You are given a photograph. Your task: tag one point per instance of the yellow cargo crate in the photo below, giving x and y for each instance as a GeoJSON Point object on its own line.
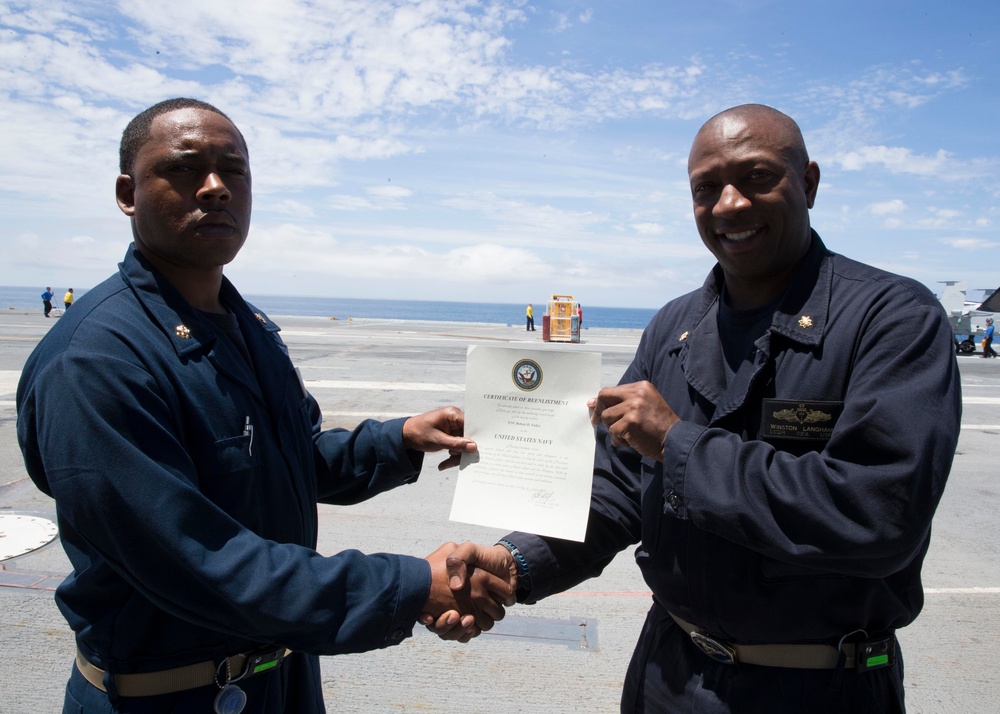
{"type": "Point", "coordinates": [562, 320]}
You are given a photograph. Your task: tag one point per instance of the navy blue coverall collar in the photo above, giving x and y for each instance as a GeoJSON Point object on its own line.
{"type": "Point", "coordinates": [801, 316]}
{"type": "Point", "coordinates": [171, 311]}
{"type": "Point", "coordinates": [192, 335]}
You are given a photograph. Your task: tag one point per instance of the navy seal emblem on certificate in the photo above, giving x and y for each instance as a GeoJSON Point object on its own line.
{"type": "Point", "coordinates": [527, 375]}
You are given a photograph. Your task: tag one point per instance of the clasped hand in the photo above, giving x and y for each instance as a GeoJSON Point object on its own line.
{"type": "Point", "coordinates": [470, 587]}
{"type": "Point", "coordinates": [472, 584]}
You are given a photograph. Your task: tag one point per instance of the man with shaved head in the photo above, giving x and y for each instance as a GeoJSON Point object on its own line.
{"type": "Point", "coordinates": [773, 451]}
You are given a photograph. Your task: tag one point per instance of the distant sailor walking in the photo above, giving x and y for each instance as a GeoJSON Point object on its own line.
{"type": "Point", "coordinates": [47, 301]}
{"type": "Point", "coordinates": [530, 313]}
{"type": "Point", "coordinates": [68, 298]}
{"type": "Point", "coordinates": [988, 350]}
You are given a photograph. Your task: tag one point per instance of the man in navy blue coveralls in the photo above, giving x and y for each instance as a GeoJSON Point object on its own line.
{"type": "Point", "coordinates": [777, 448]}
{"type": "Point", "coordinates": [186, 459]}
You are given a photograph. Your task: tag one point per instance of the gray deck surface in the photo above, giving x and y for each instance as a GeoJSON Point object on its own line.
{"type": "Point", "coordinates": [567, 654]}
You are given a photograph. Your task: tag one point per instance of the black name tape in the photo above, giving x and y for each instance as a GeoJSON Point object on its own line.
{"type": "Point", "coordinates": [795, 419]}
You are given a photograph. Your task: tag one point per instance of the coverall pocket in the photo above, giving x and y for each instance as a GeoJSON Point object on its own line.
{"type": "Point", "coordinates": [230, 483]}
{"type": "Point", "coordinates": [233, 455]}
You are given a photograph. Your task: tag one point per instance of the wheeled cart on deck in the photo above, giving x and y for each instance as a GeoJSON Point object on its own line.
{"type": "Point", "coordinates": [561, 323]}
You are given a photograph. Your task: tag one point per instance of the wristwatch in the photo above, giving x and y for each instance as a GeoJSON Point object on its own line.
{"type": "Point", "coordinates": [521, 564]}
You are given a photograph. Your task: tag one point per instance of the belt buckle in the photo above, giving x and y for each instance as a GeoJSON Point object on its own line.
{"type": "Point", "coordinates": [718, 651]}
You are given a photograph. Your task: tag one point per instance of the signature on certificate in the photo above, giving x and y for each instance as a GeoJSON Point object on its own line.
{"type": "Point", "coordinates": [541, 497]}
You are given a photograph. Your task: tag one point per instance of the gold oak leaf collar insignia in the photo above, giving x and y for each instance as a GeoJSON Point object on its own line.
{"type": "Point", "coordinates": [805, 322]}
{"type": "Point", "coordinates": [183, 332]}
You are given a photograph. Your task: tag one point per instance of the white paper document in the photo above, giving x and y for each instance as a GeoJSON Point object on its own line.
{"type": "Point", "coordinates": [526, 409]}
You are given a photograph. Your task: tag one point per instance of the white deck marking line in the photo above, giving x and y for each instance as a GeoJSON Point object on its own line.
{"type": "Point", "coordinates": [646, 593]}
{"type": "Point", "coordinates": [366, 415]}
{"type": "Point", "coordinates": [8, 380]}
{"type": "Point", "coordinates": [394, 386]}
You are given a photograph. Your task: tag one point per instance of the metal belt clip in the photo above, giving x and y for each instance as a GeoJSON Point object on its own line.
{"type": "Point", "coordinates": [260, 661]}
{"type": "Point", "coordinates": [875, 654]}
{"type": "Point", "coordinates": [719, 651]}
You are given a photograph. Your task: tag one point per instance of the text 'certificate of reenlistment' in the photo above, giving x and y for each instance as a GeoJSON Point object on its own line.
{"type": "Point", "coordinates": [526, 409]}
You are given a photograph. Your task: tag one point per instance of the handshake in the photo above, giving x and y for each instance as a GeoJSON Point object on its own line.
{"type": "Point", "coordinates": [470, 587]}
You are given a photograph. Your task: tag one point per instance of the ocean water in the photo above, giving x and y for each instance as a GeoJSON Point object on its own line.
{"type": "Point", "coordinates": [344, 308]}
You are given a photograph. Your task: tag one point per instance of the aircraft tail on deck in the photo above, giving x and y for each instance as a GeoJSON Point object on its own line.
{"type": "Point", "coordinates": [953, 297]}
{"type": "Point", "coordinates": [992, 303]}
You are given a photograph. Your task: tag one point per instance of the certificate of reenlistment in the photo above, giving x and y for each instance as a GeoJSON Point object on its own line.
{"type": "Point", "coordinates": [526, 409]}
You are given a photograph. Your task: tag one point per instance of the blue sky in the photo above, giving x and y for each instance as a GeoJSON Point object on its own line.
{"type": "Point", "coordinates": [503, 151]}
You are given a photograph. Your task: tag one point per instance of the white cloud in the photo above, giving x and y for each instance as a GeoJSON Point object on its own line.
{"type": "Point", "coordinates": [289, 207]}
{"type": "Point", "coordinates": [389, 192]}
{"type": "Point", "coordinates": [540, 224]}
{"type": "Point", "coordinates": [74, 259]}
{"type": "Point", "coordinates": [648, 229]}
{"type": "Point", "coordinates": [563, 22]}
{"type": "Point", "coordinates": [319, 252]}
{"type": "Point", "coordinates": [884, 88]}
{"type": "Point", "coordinates": [507, 156]}
{"type": "Point", "coordinates": [348, 58]}
{"type": "Point", "coordinates": [895, 159]}
{"type": "Point", "coordinates": [886, 207]}
{"type": "Point", "coordinates": [970, 243]}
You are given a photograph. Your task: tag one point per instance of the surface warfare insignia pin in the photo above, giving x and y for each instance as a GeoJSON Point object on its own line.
{"type": "Point", "coordinates": [787, 419]}
{"type": "Point", "coordinates": [183, 332]}
{"type": "Point", "coordinates": [802, 415]}
{"type": "Point", "coordinates": [684, 336]}
{"type": "Point", "coordinates": [260, 317]}
{"type": "Point", "coordinates": [527, 375]}
{"type": "Point", "coordinates": [805, 322]}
